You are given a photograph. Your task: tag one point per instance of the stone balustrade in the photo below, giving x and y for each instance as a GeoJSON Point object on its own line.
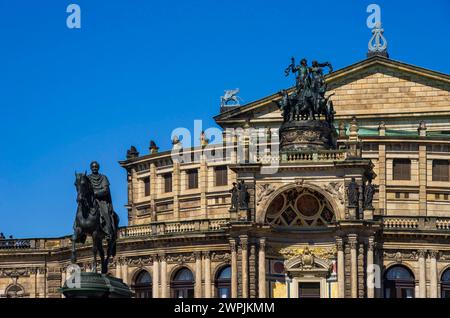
{"type": "Point", "coordinates": [188, 226]}
{"type": "Point", "coordinates": [400, 223]}
{"type": "Point", "coordinates": [303, 156]}
{"type": "Point", "coordinates": [135, 231]}
{"type": "Point", "coordinates": [443, 224]}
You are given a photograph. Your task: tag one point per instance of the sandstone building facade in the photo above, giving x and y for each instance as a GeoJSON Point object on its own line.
{"type": "Point", "coordinates": [299, 238]}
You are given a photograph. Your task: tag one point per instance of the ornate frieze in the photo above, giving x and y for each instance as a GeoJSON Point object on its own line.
{"type": "Point", "coordinates": [140, 261]}
{"type": "Point", "coordinates": [221, 257]}
{"type": "Point", "coordinates": [399, 256]}
{"type": "Point", "coordinates": [319, 252]}
{"type": "Point", "coordinates": [180, 259]}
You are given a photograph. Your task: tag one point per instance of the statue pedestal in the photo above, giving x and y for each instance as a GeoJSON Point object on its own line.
{"type": "Point", "coordinates": [368, 214]}
{"type": "Point", "coordinates": [94, 285]}
{"type": "Point", "coordinates": [244, 215]}
{"type": "Point", "coordinates": [352, 213]}
{"type": "Point", "coordinates": [307, 135]}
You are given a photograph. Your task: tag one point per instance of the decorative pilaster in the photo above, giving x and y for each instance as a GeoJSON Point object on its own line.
{"type": "Point", "coordinates": [155, 285]}
{"type": "Point", "coordinates": [262, 268]}
{"type": "Point", "coordinates": [125, 270]}
{"type": "Point", "coordinates": [244, 246]}
{"type": "Point", "coordinates": [118, 268]}
{"type": "Point", "coordinates": [422, 275]}
{"type": "Point", "coordinates": [370, 269]}
{"type": "Point", "coordinates": [353, 241]}
{"type": "Point", "coordinates": [207, 266]}
{"type": "Point", "coordinates": [340, 266]}
{"type": "Point", "coordinates": [234, 266]}
{"type": "Point", "coordinates": [433, 274]}
{"type": "Point", "coordinates": [198, 275]}
{"type": "Point", "coordinates": [163, 274]}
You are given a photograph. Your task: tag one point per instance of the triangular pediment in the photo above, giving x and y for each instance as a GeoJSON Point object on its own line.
{"type": "Point", "coordinates": [374, 88]}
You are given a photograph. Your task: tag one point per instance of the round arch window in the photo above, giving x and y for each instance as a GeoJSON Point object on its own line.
{"type": "Point", "coordinates": [399, 282]}
{"type": "Point", "coordinates": [143, 285]}
{"type": "Point", "coordinates": [182, 284]}
{"type": "Point", "coordinates": [445, 284]}
{"type": "Point", "coordinates": [300, 207]}
{"type": "Point", "coordinates": [14, 291]}
{"type": "Point", "coordinates": [223, 282]}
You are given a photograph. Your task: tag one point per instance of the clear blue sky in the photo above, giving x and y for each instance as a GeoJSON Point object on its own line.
{"type": "Point", "coordinates": [138, 69]}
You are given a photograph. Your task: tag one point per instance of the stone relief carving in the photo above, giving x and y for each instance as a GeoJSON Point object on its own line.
{"type": "Point", "coordinates": [319, 252]}
{"type": "Point", "coordinates": [400, 256]}
{"type": "Point", "coordinates": [181, 259]}
{"type": "Point", "coordinates": [263, 191]}
{"type": "Point", "coordinates": [221, 257]}
{"type": "Point", "coordinates": [140, 261]}
{"type": "Point", "coordinates": [336, 189]}
{"type": "Point", "coordinates": [16, 272]}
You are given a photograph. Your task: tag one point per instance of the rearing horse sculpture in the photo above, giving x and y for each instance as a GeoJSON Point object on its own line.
{"type": "Point", "coordinates": [88, 222]}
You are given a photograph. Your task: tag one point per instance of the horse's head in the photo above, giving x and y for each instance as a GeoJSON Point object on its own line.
{"type": "Point", "coordinates": [83, 186]}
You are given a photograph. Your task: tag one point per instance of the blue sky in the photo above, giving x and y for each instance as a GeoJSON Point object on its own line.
{"type": "Point", "coordinates": [138, 69]}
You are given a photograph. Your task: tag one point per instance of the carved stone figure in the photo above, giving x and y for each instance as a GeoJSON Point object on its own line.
{"type": "Point", "coordinates": [230, 96]}
{"type": "Point", "coordinates": [234, 197]}
{"type": "Point", "coordinates": [132, 153]}
{"type": "Point", "coordinates": [243, 195]}
{"type": "Point", "coordinates": [369, 191]}
{"type": "Point", "coordinates": [353, 194]}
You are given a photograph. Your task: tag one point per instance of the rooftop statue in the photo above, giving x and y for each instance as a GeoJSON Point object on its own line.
{"type": "Point", "coordinates": [230, 96]}
{"type": "Point", "coordinates": [308, 101]}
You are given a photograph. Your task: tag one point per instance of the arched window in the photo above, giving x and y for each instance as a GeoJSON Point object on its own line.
{"type": "Point", "coordinates": [300, 207]}
{"type": "Point", "coordinates": [143, 285]}
{"type": "Point", "coordinates": [223, 282]}
{"type": "Point", "coordinates": [399, 282]}
{"type": "Point", "coordinates": [445, 284]}
{"type": "Point", "coordinates": [182, 284]}
{"type": "Point", "coordinates": [14, 291]}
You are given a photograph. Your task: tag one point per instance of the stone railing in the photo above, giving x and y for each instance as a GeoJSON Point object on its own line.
{"type": "Point", "coordinates": [443, 224]}
{"type": "Point", "coordinates": [402, 223]}
{"type": "Point", "coordinates": [165, 228]}
{"type": "Point", "coordinates": [303, 156]}
{"type": "Point", "coordinates": [135, 231]}
{"type": "Point", "coordinates": [12, 244]}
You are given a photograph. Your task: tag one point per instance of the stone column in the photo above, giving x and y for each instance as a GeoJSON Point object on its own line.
{"type": "Point", "coordinates": [262, 268]}
{"type": "Point", "coordinates": [176, 190]}
{"type": "Point", "coordinates": [244, 245]}
{"type": "Point", "coordinates": [207, 265]}
{"type": "Point", "coordinates": [353, 241]}
{"type": "Point", "coordinates": [370, 269]}
{"type": "Point", "coordinates": [125, 270]}
{"type": "Point", "coordinates": [119, 268]}
{"type": "Point", "coordinates": [422, 275]}
{"type": "Point", "coordinates": [433, 275]}
{"type": "Point", "coordinates": [155, 285]}
{"type": "Point", "coordinates": [198, 275]}
{"type": "Point", "coordinates": [234, 266]}
{"type": "Point", "coordinates": [340, 266]}
{"type": "Point", "coordinates": [163, 274]}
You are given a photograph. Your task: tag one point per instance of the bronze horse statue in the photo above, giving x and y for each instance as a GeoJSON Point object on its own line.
{"type": "Point", "coordinates": [88, 222]}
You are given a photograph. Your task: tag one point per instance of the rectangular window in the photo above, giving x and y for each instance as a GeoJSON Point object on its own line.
{"type": "Point", "coordinates": [401, 169]}
{"type": "Point", "coordinates": [167, 182]}
{"type": "Point", "coordinates": [192, 178]}
{"type": "Point", "coordinates": [441, 170]}
{"type": "Point", "coordinates": [220, 176]}
{"type": "Point", "coordinates": [309, 290]}
{"type": "Point", "coordinates": [146, 186]}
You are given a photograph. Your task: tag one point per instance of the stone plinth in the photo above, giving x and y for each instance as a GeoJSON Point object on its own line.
{"type": "Point", "coordinates": [93, 285]}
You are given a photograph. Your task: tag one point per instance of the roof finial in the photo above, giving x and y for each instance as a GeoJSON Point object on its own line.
{"type": "Point", "coordinates": [377, 43]}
